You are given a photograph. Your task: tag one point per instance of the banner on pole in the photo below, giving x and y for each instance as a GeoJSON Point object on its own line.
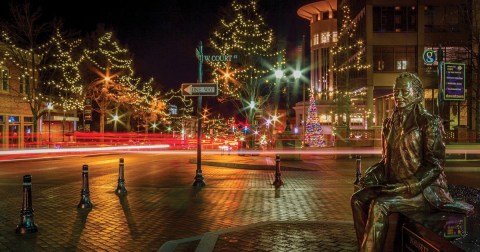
{"type": "Point", "coordinates": [454, 81]}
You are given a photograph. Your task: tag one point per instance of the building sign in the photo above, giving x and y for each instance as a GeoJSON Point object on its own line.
{"type": "Point", "coordinates": [454, 81]}
{"type": "Point", "coordinates": [87, 110]}
{"type": "Point", "coordinates": [429, 56]}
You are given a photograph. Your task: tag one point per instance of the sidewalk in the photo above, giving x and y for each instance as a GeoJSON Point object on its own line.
{"type": "Point", "coordinates": [327, 235]}
{"type": "Point", "coordinates": [238, 210]}
{"type": "Point", "coordinates": [317, 174]}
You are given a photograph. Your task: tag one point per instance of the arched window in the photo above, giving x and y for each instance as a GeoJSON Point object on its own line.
{"type": "Point", "coordinates": [25, 84]}
{"type": "Point", "coordinates": [4, 78]}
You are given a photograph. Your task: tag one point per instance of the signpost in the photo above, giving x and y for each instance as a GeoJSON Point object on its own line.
{"type": "Point", "coordinates": [198, 174]}
{"type": "Point", "coordinates": [199, 89]}
{"type": "Point", "coordinates": [454, 81]}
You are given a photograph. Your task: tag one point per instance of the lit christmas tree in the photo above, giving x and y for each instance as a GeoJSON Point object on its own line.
{"type": "Point", "coordinates": [244, 34]}
{"type": "Point", "coordinates": [313, 130]}
{"type": "Point", "coordinates": [112, 82]}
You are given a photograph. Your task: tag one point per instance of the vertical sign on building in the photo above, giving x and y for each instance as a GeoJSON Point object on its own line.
{"type": "Point", "coordinates": [454, 81]}
{"type": "Point", "coordinates": [87, 110]}
{"type": "Point", "coordinates": [87, 114]}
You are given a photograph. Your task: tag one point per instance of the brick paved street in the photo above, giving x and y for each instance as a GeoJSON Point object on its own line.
{"type": "Point", "coordinates": [310, 211]}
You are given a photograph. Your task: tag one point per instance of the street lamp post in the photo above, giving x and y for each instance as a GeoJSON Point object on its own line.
{"type": "Point", "coordinates": [296, 75]}
{"type": "Point", "coordinates": [303, 116]}
{"type": "Point", "coordinates": [49, 108]}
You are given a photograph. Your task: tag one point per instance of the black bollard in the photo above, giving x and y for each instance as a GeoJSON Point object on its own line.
{"type": "Point", "coordinates": [121, 190]}
{"type": "Point", "coordinates": [278, 175]}
{"type": "Point", "coordinates": [27, 225]}
{"type": "Point", "coordinates": [358, 174]}
{"type": "Point", "coordinates": [85, 193]}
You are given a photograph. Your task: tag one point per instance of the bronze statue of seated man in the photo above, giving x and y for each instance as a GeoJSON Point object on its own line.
{"type": "Point", "coordinates": [410, 176]}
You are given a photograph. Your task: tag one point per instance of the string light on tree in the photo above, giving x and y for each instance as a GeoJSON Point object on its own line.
{"type": "Point", "coordinates": [243, 32]}
{"type": "Point", "coordinates": [313, 130]}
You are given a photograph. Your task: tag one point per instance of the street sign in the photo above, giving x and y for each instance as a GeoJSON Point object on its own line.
{"type": "Point", "coordinates": [199, 89]}
{"type": "Point", "coordinates": [220, 57]}
{"type": "Point", "coordinates": [454, 81]}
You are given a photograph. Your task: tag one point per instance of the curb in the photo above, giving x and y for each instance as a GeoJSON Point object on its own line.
{"type": "Point", "coordinates": [249, 166]}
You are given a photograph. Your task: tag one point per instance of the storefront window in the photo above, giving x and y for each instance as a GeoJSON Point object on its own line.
{"type": "Point", "coordinates": [14, 119]}
{"type": "Point", "coordinates": [1, 133]}
{"type": "Point", "coordinates": [13, 135]}
{"type": "Point", "coordinates": [28, 134]}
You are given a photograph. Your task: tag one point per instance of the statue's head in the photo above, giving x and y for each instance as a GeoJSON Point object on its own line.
{"type": "Point", "coordinates": [407, 90]}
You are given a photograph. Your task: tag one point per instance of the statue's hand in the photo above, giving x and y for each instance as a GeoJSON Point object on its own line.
{"type": "Point", "coordinates": [397, 188]}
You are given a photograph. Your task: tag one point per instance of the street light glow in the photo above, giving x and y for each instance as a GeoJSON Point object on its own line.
{"type": "Point", "coordinates": [115, 117]}
{"type": "Point", "coordinates": [278, 73]}
{"type": "Point", "coordinates": [252, 105]}
{"type": "Point", "coordinates": [297, 74]}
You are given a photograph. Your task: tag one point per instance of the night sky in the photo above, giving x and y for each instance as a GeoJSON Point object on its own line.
{"type": "Point", "coordinates": [163, 34]}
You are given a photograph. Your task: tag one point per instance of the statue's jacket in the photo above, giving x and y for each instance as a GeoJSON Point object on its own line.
{"type": "Point", "coordinates": [414, 155]}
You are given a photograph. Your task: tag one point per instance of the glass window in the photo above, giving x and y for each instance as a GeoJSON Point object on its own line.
{"type": "Point", "coordinates": [401, 65]}
{"type": "Point", "coordinates": [13, 135]}
{"type": "Point", "coordinates": [1, 134]}
{"type": "Point", "coordinates": [27, 134]}
{"type": "Point", "coordinates": [334, 36]}
{"type": "Point", "coordinates": [394, 18]}
{"type": "Point", "coordinates": [4, 75]}
{"type": "Point", "coordinates": [315, 39]}
{"type": "Point", "coordinates": [25, 84]}
{"type": "Point", "coordinates": [395, 59]}
{"type": "Point", "coordinates": [325, 15]}
{"type": "Point", "coordinates": [1, 118]}
{"type": "Point", "coordinates": [325, 37]}
{"type": "Point", "coordinates": [28, 119]}
{"type": "Point", "coordinates": [14, 119]}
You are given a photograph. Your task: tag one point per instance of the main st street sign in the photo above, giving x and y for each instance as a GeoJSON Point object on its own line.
{"type": "Point", "coordinates": [199, 89]}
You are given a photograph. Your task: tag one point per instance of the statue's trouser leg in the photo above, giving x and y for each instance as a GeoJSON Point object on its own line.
{"type": "Point", "coordinates": [360, 203]}
{"type": "Point", "coordinates": [377, 223]}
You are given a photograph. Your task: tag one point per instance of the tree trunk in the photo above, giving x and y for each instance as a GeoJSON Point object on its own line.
{"type": "Point", "coordinates": [102, 121]}
{"type": "Point", "coordinates": [128, 125]}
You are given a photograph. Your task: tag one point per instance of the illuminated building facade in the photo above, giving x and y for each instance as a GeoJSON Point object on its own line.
{"type": "Point", "coordinates": [383, 39]}
{"type": "Point", "coordinates": [16, 119]}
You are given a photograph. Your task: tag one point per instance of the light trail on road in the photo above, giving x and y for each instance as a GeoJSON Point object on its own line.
{"type": "Point", "coordinates": [163, 149]}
